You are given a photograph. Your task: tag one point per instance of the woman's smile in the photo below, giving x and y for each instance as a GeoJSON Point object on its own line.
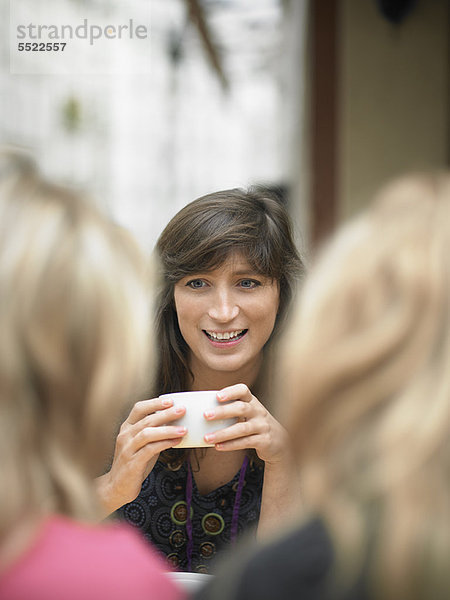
{"type": "Point", "coordinates": [225, 338]}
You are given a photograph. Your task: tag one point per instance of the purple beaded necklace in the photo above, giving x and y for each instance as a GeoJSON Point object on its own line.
{"type": "Point", "coordinates": [236, 508]}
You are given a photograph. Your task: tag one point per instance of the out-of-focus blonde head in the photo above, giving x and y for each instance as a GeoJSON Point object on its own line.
{"type": "Point", "coordinates": [366, 371]}
{"type": "Point", "coordinates": [74, 331]}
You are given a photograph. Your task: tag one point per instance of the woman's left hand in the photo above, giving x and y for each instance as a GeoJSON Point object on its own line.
{"type": "Point", "coordinates": [255, 428]}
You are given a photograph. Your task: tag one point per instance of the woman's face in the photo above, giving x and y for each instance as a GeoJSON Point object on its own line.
{"type": "Point", "coordinates": [226, 316]}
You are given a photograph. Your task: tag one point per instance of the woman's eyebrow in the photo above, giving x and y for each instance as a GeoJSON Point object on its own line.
{"type": "Point", "coordinates": [245, 272]}
{"type": "Point", "coordinates": [239, 271]}
{"type": "Point", "coordinates": [249, 272]}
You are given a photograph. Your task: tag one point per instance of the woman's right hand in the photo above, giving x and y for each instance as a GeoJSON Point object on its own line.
{"type": "Point", "coordinates": [147, 431]}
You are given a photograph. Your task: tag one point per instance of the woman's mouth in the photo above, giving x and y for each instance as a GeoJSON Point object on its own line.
{"type": "Point", "coordinates": [225, 337]}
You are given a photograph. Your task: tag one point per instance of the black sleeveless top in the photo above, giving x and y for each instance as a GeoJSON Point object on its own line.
{"type": "Point", "coordinates": [160, 512]}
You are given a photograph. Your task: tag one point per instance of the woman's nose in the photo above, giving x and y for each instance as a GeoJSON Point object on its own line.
{"type": "Point", "coordinates": [223, 307]}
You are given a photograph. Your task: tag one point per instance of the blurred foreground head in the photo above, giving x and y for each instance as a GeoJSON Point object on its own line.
{"type": "Point", "coordinates": [74, 317]}
{"type": "Point", "coordinates": [366, 368]}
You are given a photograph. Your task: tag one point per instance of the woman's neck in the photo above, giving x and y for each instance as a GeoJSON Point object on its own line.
{"type": "Point", "coordinates": [213, 469]}
{"type": "Point", "coordinates": [210, 379]}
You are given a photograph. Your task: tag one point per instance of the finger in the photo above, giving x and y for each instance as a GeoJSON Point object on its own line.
{"type": "Point", "coordinates": [155, 435]}
{"type": "Point", "coordinates": [130, 438]}
{"type": "Point", "coordinates": [235, 392]}
{"type": "Point", "coordinates": [144, 408]}
{"type": "Point", "coordinates": [146, 453]}
{"type": "Point", "coordinates": [161, 417]}
{"type": "Point", "coordinates": [236, 409]}
{"type": "Point", "coordinates": [238, 430]}
{"type": "Point", "coordinates": [243, 443]}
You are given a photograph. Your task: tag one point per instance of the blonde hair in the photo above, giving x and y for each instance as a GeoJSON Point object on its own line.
{"type": "Point", "coordinates": [74, 329]}
{"type": "Point", "coordinates": [366, 366]}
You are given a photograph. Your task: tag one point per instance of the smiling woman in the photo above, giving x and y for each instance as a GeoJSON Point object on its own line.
{"type": "Point", "coordinates": [229, 270]}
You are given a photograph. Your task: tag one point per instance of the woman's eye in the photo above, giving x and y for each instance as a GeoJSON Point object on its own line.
{"type": "Point", "coordinates": [249, 283]}
{"type": "Point", "coordinates": [196, 284]}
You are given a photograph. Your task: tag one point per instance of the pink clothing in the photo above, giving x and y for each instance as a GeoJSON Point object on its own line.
{"type": "Point", "coordinates": [73, 561]}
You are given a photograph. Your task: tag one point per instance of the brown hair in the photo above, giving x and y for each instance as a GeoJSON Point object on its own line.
{"type": "Point", "coordinates": [199, 238]}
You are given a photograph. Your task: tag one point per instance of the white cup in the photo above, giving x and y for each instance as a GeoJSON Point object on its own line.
{"type": "Point", "coordinates": [197, 426]}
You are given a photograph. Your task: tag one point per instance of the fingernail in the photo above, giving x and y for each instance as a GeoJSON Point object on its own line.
{"type": "Point", "coordinates": [209, 437]}
{"type": "Point", "coordinates": [220, 396]}
{"type": "Point", "coordinates": [209, 414]}
{"type": "Point", "coordinates": [181, 429]}
{"type": "Point", "coordinates": [167, 402]}
{"type": "Point", "coordinates": [179, 409]}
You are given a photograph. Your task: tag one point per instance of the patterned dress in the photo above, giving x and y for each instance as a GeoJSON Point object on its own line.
{"type": "Point", "coordinates": [160, 512]}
